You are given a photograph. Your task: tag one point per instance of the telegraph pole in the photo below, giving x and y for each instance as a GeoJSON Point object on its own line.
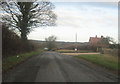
{"type": "Point", "coordinates": [76, 37]}
{"type": "Point", "coordinates": [76, 42]}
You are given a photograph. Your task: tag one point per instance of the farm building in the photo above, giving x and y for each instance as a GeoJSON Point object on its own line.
{"type": "Point", "coordinates": [97, 41]}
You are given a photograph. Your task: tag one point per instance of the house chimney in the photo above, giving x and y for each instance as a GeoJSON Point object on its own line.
{"type": "Point", "coordinates": [102, 36]}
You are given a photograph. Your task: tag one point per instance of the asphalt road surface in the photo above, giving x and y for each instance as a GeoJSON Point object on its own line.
{"type": "Point", "coordinates": [54, 67]}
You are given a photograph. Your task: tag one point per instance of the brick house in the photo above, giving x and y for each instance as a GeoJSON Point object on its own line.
{"type": "Point", "coordinates": [97, 42]}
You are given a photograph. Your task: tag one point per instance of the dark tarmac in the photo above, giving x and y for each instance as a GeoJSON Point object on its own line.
{"type": "Point", "coordinates": [54, 67]}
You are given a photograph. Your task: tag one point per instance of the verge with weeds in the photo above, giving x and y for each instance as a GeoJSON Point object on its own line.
{"type": "Point", "coordinates": [12, 61]}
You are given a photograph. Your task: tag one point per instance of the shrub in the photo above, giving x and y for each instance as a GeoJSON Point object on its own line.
{"type": "Point", "coordinates": [12, 44]}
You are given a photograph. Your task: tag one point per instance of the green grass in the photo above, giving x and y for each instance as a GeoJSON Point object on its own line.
{"type": "Point", "coordinates": [12, 61]}
{"type": "Point", "coordinates": [72, 51]}
{"type": "Point", "coordinates": [106, 61]}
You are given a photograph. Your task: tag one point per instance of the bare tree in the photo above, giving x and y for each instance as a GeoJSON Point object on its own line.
{"type": "Point", "coordinates": [51, 42]}
{"type": "Point", "coordinates": [110, 40]}
{"type": "Point", "coordinates": [24, 16]}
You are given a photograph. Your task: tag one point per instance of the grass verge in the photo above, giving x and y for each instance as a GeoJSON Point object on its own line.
{"type": "Point", "coordinates": [106, 61]}
{"type": "Point", "coordinates": [72, 51]}
{"type": "Point", "coordinates": [12, 61]}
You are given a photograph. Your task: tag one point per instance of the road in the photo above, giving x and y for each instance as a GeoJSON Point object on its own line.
{"type": "Point", "coordinates": [54, 67]}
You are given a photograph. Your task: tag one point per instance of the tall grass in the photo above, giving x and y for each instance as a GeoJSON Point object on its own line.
{"type": "Point", "coordinates": [12, 61]}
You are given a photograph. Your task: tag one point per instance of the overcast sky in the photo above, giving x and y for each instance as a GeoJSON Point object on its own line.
{"type": "Point", "coordinates": [85, 19]}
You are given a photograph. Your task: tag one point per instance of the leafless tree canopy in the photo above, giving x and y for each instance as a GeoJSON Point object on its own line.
{"type": "Point", "coordinates": [51, 42]}
{"type": "Point", "coordinates": [25, 16]}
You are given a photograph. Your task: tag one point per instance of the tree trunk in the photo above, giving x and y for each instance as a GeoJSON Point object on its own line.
{"type": "Point", "coordinates": [23, 36]}
{"type": "Point", "coordinates": [24, 40]}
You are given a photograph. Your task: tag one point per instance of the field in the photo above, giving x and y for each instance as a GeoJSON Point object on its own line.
{"type": "Point", "coordinates": [107, 61]}
{"type": "Point", "coordinates": [12, 61]}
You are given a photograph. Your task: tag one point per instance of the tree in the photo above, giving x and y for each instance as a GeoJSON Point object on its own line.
{"type": "Point", "coordinates": [109, 41]}
{"type": "Point", "coordinates": [51, 42]}
{"type": "Point", "coordinates": [24, 16]}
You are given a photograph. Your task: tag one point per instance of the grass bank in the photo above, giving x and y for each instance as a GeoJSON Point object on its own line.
{"type": "Point", "coordinates": [72, 51]}
{"type": "Point", "coordinates": [12, 61]}
{"type": "Point", "coordinates": [106, 61]}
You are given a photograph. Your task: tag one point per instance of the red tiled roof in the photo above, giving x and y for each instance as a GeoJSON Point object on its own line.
{"type": "Point", "coordinates": [94, 40]}
{"type": "Point", "coordinates": [97, 41]}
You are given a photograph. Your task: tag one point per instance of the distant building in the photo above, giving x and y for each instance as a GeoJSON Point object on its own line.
{"type": "Point", "coordinates": [97, 41]}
